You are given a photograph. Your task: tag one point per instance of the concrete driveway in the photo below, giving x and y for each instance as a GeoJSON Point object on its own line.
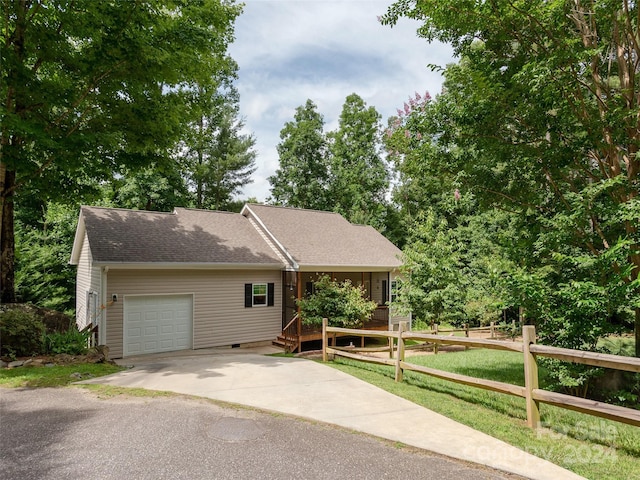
{"type": "Point", "coordinates": [318, 392]}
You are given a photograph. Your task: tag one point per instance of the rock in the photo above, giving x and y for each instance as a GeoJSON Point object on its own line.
{"type": "Point", "coordinates": [28, 362]}
{"type": "Point", "coordinates": [104, 350]}
{"type": "Point", "coordinates": [3, 364]}
{"type": "Point", "coordinates": [99, 354]}
{"type": "Point", "coordinates": [63, 359]}
{"type": "Point", "coordinates": [38, 362]}
{"type": "Point", "coordinates": [76, 375]}
{"type": "Point", "coordinates": [94, 357]}
{"type": "Point", "coordinates": [49, 364]}
{"type": "Point", "coordinates": [15, 363]}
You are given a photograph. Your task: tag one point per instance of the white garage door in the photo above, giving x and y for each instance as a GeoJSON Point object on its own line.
{"type": "Point", "coordinates": [157, 323]}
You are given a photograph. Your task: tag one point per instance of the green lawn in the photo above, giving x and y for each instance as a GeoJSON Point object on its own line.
{"type": "Point", "coordinates": [56, 376]}
{"type": "Point", "coordinates": [592, 447]}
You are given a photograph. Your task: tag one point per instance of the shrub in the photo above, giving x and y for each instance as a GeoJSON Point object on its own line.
{"type": "Point", "coordinates": [342, 303]}
{"type": "Point", "coordinates": [20, 333]}
{"type": "Point", "coordinates": [71, 342]}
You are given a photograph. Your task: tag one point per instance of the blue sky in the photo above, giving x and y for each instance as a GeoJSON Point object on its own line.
{"type": "Point", "coordinates": [289, 51]}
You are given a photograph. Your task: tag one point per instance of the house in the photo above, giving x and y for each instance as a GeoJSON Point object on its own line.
{"type": "Point", "coordinates": [155, 282]}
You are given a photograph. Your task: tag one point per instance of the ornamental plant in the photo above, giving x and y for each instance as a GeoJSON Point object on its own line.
{"type": "Point", "coordinates": [342, 303]}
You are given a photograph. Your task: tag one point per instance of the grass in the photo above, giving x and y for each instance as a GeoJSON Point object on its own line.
{"type": "Point", "coordinates": [57, 376]}
{"type": "Point", "coordinates": [589, 446]}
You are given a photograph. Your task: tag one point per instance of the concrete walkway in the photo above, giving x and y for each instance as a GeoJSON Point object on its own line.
{"type": "Point", "coordinates": [318, 392]}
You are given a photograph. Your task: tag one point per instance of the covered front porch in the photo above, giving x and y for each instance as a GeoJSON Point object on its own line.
{"type": "Point", "coordinates": [300, 284]}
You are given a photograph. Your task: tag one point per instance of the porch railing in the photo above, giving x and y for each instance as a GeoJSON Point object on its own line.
{"type": "Point", "coordinates": [291, 334]}
{"type": "Point", "coordinates": [293, 331]}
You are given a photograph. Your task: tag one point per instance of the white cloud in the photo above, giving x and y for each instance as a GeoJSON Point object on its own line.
{"type": "Point", "coordinates": [293, 50]}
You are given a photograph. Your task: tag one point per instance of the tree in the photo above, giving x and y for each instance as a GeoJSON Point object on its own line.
{"type": "Point", "coordinates": [359, 179]}
{"type": "Point", "coordinates": [219, 159]}
{"type": "Point", "coordinates": [540, 116]}
{"type": "Point", "coordinates": [90, 87]}
{"type": "Point", "coordinates": [153, 188]}
{"type": "Point", "coordinates": [432, 267]}
{"type": "Point", "coordinates": [43, 274]}
{"type": "Point", "coordinates": [301, 181]}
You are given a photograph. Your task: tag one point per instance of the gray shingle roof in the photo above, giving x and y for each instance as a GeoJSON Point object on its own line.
{"type": "Point", "coordinates": [315, 238]}
{"type": "Point", "coordinates": [185, 236]}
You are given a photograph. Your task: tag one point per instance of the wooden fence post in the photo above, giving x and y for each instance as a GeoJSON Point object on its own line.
{"type": "Point", "coordinates": [435, 332]}
{"type": "Point", "coordinates": [466, 333]}
{"type": "Point", "coordinates": [493, 329]}
{"type": "Point", "coordinates": [400, 356]}
{"type": "Point", "coordinates": [530, 376]}
{"type": "Point", "coordinates": [325, 323]}
{"type": "Point", "coordinates": [391, 346]}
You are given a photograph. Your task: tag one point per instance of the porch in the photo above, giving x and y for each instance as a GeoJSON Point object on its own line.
{"type": "Point", "coordinates": [295, 333]}
{"type": "Point", "coordinates": [297, 285]}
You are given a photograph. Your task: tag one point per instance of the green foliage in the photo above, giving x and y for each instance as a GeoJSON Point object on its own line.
{"type": "Point", "coordinates": [342, 171]}
{"type": "Point", "coordinates": [71, 342]}
{"type": "Point", "coordinates": [343, 304]}
{"type": "Point", "coordinates": [216, 158]}
{"type": "Point", "coordinates": [432, 269]}
{"type": "Point", "coordinates": [20, 333]}
{"type": "Point", "coordinates": [303, 175]}
{"type": "Point", "coordinates": [95, 90]}
{"type": "Point", "coordinates": [358, 180]}
{"type": "Point", "coordinates": [154, 188]}
{"type": "Point", "coordinates": [43, 274]}
{"type": "Point", "coordinates": [538, 119]}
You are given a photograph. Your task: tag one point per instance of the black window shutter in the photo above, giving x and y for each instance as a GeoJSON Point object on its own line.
{"type": "Point", "coordinates": [270, 294]}
{"type": "Point", "coordinates": [248, 295]}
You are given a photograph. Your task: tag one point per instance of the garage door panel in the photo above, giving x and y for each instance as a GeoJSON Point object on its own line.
{"type": "Point", "coordinates": [161, 323]}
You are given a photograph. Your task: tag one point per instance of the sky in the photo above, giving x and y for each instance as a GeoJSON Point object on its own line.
{"type": "Point", "coordinates": [289, 51]}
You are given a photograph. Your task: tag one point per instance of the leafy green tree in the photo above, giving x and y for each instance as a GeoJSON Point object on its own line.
{"type": "Point", "coordinates": [43, 274]}
{"type": "Point", "coordinates": [431, 205]}
{"type": "Point", "coordinates": [152, 188]}
{"type": "Point", "coordinates": [342, 303]}
{"type": "Point", "coordinates": [89, 87]}
{"type": "Point", "coordinates": [434, 289]}
{"type": "Point", "coordinates": [302, 179]}
{"type": "Point", "coordinates": [217, 158]}
{"type": "Point", "coordinates": [540, 118]}
{"type": "Point", "coordinates": [359, 178]}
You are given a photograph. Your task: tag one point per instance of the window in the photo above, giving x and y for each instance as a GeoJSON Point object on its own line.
{"type": "Point", "coordinates": [259, 294]}
{"type": "Point", "coordinates": [394, 291]}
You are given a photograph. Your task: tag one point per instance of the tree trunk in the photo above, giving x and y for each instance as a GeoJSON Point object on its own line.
{"type": "Point", "coordinates": [7, 240]}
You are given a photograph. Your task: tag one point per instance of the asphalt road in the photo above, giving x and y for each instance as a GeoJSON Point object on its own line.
{"type": "Point", "coordinates": [70, 433]}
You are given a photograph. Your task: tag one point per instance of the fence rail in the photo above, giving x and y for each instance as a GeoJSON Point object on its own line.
{"type": "Point", "coordinates": [531, 392]}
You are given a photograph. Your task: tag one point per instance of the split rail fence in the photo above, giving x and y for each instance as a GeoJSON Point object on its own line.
{"type": "Point", "coordinates": [531, 392]}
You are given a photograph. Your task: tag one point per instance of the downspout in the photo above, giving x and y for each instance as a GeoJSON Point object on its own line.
{"type": "Point", "coordinates": [102, 326]}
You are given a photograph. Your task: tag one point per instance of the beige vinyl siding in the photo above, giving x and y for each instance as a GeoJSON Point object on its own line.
{"type": "Point", "coordinates": [87, 280]}
{"type": "Point", "coordinates": [219, 315]}
{"type": "Point", "coordinates": [376, 291]}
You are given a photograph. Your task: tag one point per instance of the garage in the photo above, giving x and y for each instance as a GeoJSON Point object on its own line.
{"type": "Point", "coordinates": [157, 323]}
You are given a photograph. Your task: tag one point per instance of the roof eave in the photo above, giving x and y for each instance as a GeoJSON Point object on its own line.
{"type": "Point", "coordinates": [188, 266]}
{"type": "Point", "coordinates": [348, 268]}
